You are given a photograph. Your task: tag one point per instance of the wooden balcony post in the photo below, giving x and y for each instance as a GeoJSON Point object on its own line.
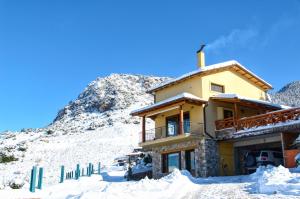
{"type": "Point", "coordinates": [181, 129]}
{"type": "Point", "coordinates": [236, 115]}
{"type": "Point", "coordinates": [144, 129]}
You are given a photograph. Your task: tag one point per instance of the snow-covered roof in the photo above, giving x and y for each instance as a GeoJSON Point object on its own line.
{"type": "Point", "coordinates": [179, 97]}
{"type": "Point", "coordinates": [261, 130]}
{"type": "Point", "coordinates": [235, 96]}
{"type": "Point", "coordinates": [206, 69]}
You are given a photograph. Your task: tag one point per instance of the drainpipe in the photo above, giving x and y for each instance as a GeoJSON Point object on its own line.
{"type": "Point", "coordinates": [204, 118]}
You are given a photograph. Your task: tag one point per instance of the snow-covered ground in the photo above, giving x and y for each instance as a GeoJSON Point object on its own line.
{"type": "Point", "coordinates": [50, 152]}
{"type": "Point", "coordinates": [265, 183]}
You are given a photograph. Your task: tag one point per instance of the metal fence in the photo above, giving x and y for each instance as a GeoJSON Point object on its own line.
{"type": "Point", "coordinates": [193, 128]}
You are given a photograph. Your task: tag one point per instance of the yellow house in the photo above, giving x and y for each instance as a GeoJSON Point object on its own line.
{"type": "Point", "coordinates": [188, 112]}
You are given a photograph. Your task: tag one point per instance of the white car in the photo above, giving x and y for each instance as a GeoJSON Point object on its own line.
{"type": "Point", "coordinates": [269, 157]}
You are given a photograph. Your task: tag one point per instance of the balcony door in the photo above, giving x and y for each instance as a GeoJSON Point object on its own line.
{"type": "Point", "coordinates": [172, 125]}
{"type": "Point", "coordinates": [186, 122]}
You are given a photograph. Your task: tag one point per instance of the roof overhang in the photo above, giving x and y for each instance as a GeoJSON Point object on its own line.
{"type": "Point", "coordinates": [229, 65]}
{"type": "Point", "coordinates": [169, 104]}
{"type": "Point", "coordinates": [233, 98]}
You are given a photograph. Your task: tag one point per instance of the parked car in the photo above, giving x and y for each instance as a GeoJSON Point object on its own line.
{"type": "Point", "coordinates": [269, 157]}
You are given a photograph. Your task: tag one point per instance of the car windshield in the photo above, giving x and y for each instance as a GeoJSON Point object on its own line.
{"type": "Point", "coordinates": [264, 154]}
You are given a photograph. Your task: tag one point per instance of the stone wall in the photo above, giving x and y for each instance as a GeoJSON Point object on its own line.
{"type": "Point", "coordinates": [212, 157]}
{"type": "Point", "coordinates": [206, 156]}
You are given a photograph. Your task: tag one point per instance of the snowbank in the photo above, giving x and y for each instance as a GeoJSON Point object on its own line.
{"type": "Point", "coordinates": [111, 185]}
{"type": "Point", "coordinates": [177, 185]}
{"type": "Point", "coordinates": [166, 187]}
{"type": "Point", "coordinates": [272, 180]}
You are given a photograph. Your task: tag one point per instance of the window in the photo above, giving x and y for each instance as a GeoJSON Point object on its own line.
{"type": "Point", "coordinates": [190, 161]}
{"type": "Point", "coordinates": [217, 88]}
{"type": "Point", "coordinates": [170, 162]}
{"type": "Point", "coordinates": [227, 113]}
{"type": "Point", "coordinates": [172, 125]}
{"type": "Point", "coordinates": [264, 154]}
{"type": "Point", "coordinates": [186, 122]}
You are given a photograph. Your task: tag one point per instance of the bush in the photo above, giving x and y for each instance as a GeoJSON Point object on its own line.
{"type": "Point", "coordinates": [7, 158]}
{"type": "Point", "coordinates": [21, 148]}
{"type": "Point", "coordinates": [49, 132]}
{"type": "Point", "coordinates": [16, 183]}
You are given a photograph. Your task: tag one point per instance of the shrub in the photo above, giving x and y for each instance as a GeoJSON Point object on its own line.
{"type": "Point", "coordinates": [49, 132]}
{"type": "Point", "coordinates": [7, 158]}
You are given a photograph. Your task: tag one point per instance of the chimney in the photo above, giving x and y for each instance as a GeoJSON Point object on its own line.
{"type": "Point", "coordinates": [201, 57]}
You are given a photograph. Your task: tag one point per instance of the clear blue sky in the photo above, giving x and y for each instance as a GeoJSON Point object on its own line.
{"type": "Point", "coordinates": [50, 50]}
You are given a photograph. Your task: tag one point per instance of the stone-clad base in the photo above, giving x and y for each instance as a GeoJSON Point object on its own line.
{"type": "Point", "coordinates": [206, 156]}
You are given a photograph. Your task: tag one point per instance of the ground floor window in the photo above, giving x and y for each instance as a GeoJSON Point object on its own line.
{"type": "Point", "coordinates": [190, 161]}
{"type": "Point", "coordinates": [170, 161]}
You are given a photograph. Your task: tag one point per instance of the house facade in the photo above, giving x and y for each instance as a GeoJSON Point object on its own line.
{"type": "Point", "coordinates": [189, 111]}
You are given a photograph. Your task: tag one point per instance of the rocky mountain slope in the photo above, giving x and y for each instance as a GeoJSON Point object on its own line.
{"type": "Point", "coordinates": [288, 95]}
{"type": "Point", "coordinates": [94, 127]}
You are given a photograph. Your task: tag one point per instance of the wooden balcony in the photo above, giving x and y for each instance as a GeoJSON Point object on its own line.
{"type": "Point", "coordinates": [259, 120]}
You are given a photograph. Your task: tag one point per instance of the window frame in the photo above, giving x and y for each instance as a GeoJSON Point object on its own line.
{"type": "Point", "coordinates": [177, 118]}
{"type": "Point", "coordinates": [190, 151]}
{"type": "Point", "coordinates": [165, 161]}
{"type": "Point", "coordinates": [217, 85]}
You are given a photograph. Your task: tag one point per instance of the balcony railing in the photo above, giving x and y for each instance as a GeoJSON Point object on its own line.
{"type": "Point", "coordinates": [224, 124]}
{"type": "Point", "coordinates": [259, 120]}
{"type": "Point", "coordinates": [190, 128]}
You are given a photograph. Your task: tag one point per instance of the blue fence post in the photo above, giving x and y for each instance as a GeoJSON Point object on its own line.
{"type": "Point", "coordinates": [99, 166]}
{"type": "Point", "coordinates": [72, 174]}
{"type": "Point", "coordinates": [82, 172]}
{"type": "Point", "coordinates": [90, 169]}
{"type": "Point", "coordinates": [77, 172]}
{"type": "Point", "coordinates": [87, 171]}
{"type": "Point", "coordinates": [32, 179]}
{"type": "Point", "coordinates": [62, 174]}
{"type": "Point", "coordinates": [40, 178]}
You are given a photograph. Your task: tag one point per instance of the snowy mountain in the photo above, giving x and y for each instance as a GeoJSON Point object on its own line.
{"type": "Point", "coordinates": [288, 95]}
{"type": "Point", "coordinates": [94, 127]}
